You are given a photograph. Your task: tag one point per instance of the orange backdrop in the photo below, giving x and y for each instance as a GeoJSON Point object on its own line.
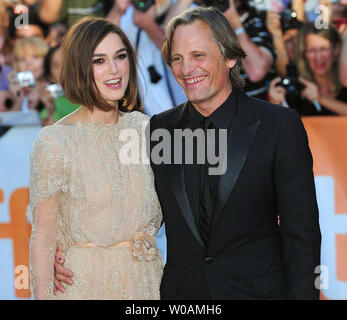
{"type": "Point", "coordinates": [328, 143]}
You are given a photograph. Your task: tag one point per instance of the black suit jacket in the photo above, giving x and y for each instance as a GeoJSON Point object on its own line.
{"type": "Point", "coordinates": [249, 255]}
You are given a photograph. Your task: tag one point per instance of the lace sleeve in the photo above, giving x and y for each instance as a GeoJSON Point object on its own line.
{"type": "Point", "coordinates": [157, 220]}
{"type": "Point", "coordinates": [46, 177]}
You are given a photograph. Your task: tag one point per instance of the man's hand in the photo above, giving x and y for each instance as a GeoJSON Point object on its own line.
{"type": "Point", "coordinates": [117, 11]}
{"type": "Point", "coordinates": [277, 94]}
{"type": "Point", "coordinates": [61, 274]}
{"type": "Point", "coordinates": [273, 23]}
{"type": "Point", "coordinates": [259, 59]}
{"type": "Point", "coordinates": [233, 16]}
{"type": "Point", "coordinates": [145, 20]}
{"type": "Point", "coordinates": [121, 6]}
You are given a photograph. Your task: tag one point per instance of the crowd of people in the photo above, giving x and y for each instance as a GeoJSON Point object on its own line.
{"type": "Point", "coordinates": [293, 58]}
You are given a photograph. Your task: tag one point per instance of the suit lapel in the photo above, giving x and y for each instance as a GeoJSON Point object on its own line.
{"type": "Point", "coordinates": [239, 144]}
{"type": "Point", "coordinates": [179, 188]}
{"type": "Point", "coordinates": [178, 183]}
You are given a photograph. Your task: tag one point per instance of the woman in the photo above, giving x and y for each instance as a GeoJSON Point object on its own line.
{"type": "Point", "coordinates": [102, 212]}
{"type": "Point", "coordinates": [318, 57]}
{"type": "Point", "coordinates": [28, 55]}
{"type": "Point", "coordinates": [317, 61]}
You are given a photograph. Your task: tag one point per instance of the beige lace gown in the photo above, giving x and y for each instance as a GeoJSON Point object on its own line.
{"type": "Point", "coordinates": [101, 211]}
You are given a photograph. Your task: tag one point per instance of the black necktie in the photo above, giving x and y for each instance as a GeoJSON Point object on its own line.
{"type": "Point", "coordinates": [206, 191]}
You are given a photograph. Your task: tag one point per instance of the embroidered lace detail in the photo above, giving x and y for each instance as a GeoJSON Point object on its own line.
{"type": "Point", "coordinates": [145, 244]}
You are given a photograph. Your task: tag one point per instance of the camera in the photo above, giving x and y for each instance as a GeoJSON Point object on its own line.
{"type": "Point", "coordinates": [161, 8]}
{"type": "Point", "coordinates": [26, 79]}
{"type": "Point", "coordinates": [288, 17]}
{"type": "Point", "coordinates": [142, 5]}
{"type": "Point", "coordinates": [292, 85]}
{"type": "Point", "coordinates": [222, 5]}
{"type": "Point", "coordinates": [288, 20]}
{"type": "Point", "coordinates": [55, 89]}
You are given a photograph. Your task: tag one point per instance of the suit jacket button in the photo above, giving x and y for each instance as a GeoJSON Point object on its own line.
{"type": "Point", "coordinates": [208, 260]}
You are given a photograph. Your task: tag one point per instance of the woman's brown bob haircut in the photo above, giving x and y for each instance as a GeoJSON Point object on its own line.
{"type": "Point", "coordinates": [76, 74]}
{"type": "Point", "coordinates": [222, 32]}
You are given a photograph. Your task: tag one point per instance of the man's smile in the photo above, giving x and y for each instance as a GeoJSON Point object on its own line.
{"type": "Point", "coordinates": [195, 80]}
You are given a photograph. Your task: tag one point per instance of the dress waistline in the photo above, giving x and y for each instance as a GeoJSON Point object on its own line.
{"type": "Point", "coordinates": [143, 244]}
{"type": "Point", "coordinates": [93, 245]}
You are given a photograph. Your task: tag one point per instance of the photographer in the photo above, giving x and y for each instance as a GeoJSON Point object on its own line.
{"type": "Point", "coordinates": [284, 28]}
{"type": "Point", "coordinates": [57, 106]}
{"type": "Point", "coordinates": [27, 83]}
{"type": "Point", "coordinates": [317, 60]}
{"type": "Point", "coordinates": [253, 37]}
{"type": "Point", "coordinates": [145, 29]}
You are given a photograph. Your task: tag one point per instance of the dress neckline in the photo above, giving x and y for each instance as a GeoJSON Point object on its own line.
{"type": "Point", "coordinates": [94, 124]}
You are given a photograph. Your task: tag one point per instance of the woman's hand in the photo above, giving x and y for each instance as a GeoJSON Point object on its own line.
{"type": "Point", "coordinates": [16, 90]}
{"type": "Point", "coordinates": [311, 91]}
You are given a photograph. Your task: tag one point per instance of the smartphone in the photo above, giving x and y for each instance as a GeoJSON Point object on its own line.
{"type": "Point", "coordinates": [26, 79]}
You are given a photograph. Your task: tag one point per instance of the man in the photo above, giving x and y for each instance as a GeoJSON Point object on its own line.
{"type": "Point", "coordinates": [247, 254]}
{"type": "Point", "coordinates": [224, 240]}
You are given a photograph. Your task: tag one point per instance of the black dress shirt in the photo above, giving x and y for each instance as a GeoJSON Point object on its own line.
{"type": "Point", "coordinates": [221, 118]}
